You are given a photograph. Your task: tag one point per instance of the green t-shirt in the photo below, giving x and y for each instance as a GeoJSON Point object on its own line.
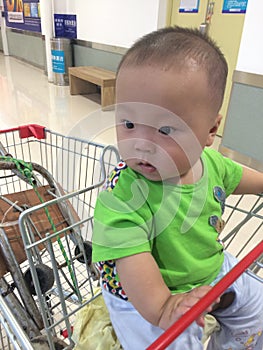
{"type": "Point", "coordinates": [177, 224]}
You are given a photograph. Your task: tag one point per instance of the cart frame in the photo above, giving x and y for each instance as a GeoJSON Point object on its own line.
{"type": "Point", "coordinates": [76, 169]}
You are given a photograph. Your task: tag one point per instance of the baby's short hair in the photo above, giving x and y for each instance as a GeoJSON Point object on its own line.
{"type": "Point", "coordinates": [173, 47]}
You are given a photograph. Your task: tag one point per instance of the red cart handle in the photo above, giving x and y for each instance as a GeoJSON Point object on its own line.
{"type": "Point", "coordinates": [30, 130]}
{"type": "Point", "coordinates": [191, 315]}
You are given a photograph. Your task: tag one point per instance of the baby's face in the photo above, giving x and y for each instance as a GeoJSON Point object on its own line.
{"type": "Point", "coordinates": [163, 120]}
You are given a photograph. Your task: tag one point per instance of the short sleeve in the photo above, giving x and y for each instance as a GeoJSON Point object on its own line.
{"type": "Point", "coordinates": [233, 175]}
{"type": "Point", "coordinates": [228, 171]}
{"type": "Point", "coordinates": [121, 226]}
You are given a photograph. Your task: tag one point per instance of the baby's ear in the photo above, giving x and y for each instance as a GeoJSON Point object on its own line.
{"type": "Point", "coordinates": [213, 131]}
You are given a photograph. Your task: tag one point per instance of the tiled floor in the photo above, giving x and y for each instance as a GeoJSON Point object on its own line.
{"type": "Point", "coordinates": [27, 97]}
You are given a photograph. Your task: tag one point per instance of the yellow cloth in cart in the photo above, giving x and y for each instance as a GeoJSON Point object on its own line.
{"type": "Point", "coordinates": [93, 329]}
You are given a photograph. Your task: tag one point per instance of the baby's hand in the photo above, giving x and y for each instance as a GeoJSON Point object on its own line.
{"type": "Point", "coordinates": [191, 298]}
{"type": "Point", "coordinates": [179, 304]}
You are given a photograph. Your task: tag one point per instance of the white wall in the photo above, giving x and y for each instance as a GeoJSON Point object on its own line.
{"type": "Point", "coordinates": [65, 6]}
{"type": "Point", "coordinates": [250, 57]}
{"type": "Point", "coordinates": [114, 22]}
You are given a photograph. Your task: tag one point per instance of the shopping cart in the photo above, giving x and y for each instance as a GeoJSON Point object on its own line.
{"type": "Point", "coordinates": [48, 187]}
{"type": "Point", "coordinates": [242, 237]}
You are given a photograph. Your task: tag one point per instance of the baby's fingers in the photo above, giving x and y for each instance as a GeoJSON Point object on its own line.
{"type": "Point", "coordinates": [201, 321]}
{"type": "Point", "coordinates": [200, 293]}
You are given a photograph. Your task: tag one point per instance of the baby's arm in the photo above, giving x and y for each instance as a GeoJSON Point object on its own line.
{"type": "Point", "coordinates": [145, 288]}
{"type": "Point", "coordinates": [251, 182]}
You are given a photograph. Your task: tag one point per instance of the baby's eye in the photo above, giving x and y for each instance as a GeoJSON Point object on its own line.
{"type": "Point", "coordinates": [128, 124]}
{"type": "Point", "coordinates": [166, 130]}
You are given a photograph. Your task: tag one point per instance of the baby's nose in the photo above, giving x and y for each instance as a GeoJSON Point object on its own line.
{"type": "Point", "coordinates": [144, 145]}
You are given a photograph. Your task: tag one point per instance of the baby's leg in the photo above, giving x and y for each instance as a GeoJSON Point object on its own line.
{"type": "Point", "coordinates": [242, 322]}
{"type": "Point", "coordinates": [135, 333]}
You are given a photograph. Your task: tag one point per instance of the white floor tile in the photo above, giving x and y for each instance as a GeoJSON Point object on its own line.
{"type": "Point", "coordinates": [27, 97]}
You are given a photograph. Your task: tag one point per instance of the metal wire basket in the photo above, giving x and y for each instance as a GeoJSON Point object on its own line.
{"type": "Point", "coordinates": [46, 207]}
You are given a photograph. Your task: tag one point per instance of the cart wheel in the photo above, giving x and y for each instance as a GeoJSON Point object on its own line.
{"type": "Point", "coordinates": [41, 343]}
{"type": "Point", "coordinates": [87, 249]}
{"type": "Point", "coordinates": [45, 277]}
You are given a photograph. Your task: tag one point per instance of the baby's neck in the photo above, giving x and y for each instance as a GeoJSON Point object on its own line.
{"type": "Point", "coordinates": [194, 174]}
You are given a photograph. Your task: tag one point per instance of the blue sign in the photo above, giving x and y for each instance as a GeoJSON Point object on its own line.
{"type": "Point", "coordinates": [65, 26]}
{"type": "Point", "coordinates": [189, 6]}
{"type": "Point", "coordinates": [234, 6]}
{"type": "Point", "coordinates": [58, 61]}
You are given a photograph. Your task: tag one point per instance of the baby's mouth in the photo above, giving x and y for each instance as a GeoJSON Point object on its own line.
{"type": "Point", "coordinates": [146, 167]}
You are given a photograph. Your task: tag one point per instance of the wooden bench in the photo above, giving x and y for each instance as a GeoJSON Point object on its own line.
{"type": "Point", "coordinates": [85, 79]}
